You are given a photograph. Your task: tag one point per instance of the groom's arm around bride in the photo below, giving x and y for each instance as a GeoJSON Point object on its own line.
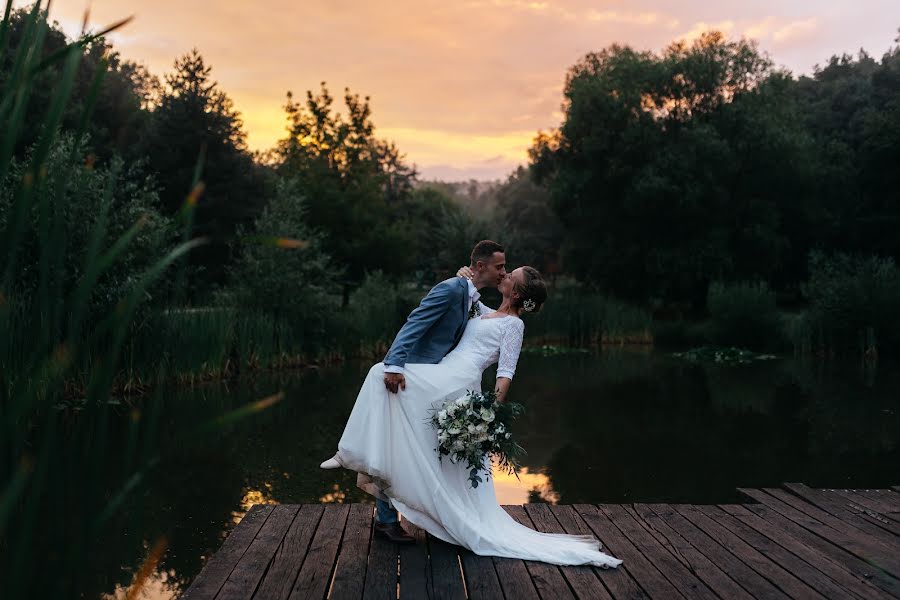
{"type": "Point", "coordinates": [435, 326]}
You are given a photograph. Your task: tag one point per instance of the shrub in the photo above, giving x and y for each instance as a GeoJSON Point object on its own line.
{"type": "Point", "coordinates": [743, 314]}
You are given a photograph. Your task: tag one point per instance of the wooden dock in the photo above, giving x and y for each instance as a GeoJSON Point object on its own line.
{"type": "Point", "coordinates": [794, 542]}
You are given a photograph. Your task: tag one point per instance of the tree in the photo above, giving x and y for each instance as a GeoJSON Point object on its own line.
{"type": "Point", "coordinates": [284, 272]}
{"type": "Point", "coordinates": [194, 119]}
{"type": "Point", "coordinates": [356, 185]}
{"type": "Point", "coordinates": [671, 171]}
{"type": "Point", "coordinates": [531, 231]}
{"type": "Point", "coordinates": [852, 109]}
{"type": "Point", "coordinates": [118, 119]}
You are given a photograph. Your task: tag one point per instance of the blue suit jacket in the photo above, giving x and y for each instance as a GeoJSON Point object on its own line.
{"type": "Point", "coordinates": [434, 327]}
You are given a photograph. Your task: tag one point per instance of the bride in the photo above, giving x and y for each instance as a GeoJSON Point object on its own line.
{"type": "Point", "coordinates": [390, 442]}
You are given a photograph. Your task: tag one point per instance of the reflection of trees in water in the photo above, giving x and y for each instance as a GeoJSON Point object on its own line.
{"type": "Point", "coordinates": [640, 428]}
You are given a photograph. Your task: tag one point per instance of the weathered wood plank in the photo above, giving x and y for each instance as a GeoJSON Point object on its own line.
{"type": "Point", "coordinates": [548, 579]}
{"type": "Point", "coordinates": [824, 525]}
{"type": "Point", "coordinates": [415, 568]}
{"type": "Point", "coordinates": [686, 582]}
{"type": "Point", "coordinates": [480, 575]}
{"type": "Point", "coordinates": [289, 557]}
{"type": "Point", "coordinates": [889, 498]}
{"type": "Point", "coordinates": [381, 574]}
{"type": "Point", "coordinates": [878, 528]}
{"type": "Point", "coordinates": [825, 539]}
{"type": "Point", "coordinates": [247, 574]}
{"type": "Point", "coordinates": [827, 558]}
{"type": "Point", "coordinates": [581, 579]}
{"type": "Point", "coordinates": [220, 565]}
{"type": "Point", "coordinates": [870, 501]}
{"type": "Point", "coordinates": [619, 581]}
{"type": "Point", "coordinates": [750, 580]}
{"type": "Point", "coordinates": [708, 572]}
{"type": "Point", "coordinates": [642, 570]}
{"type": "Point", "coordinates": [350, 571]}
{"type": "Point", "coordinates": [750, 556]}
{"type": "Point", "coordinates": [868, 547]}
{"type": "Point", "coordinates": [446, 578]}
{"type": "Point", "coordinates": [793, 564]}
{"type": "Point", "coordinates": [872, 509]}
{"type": "Point", "coordinates": [315, 574]}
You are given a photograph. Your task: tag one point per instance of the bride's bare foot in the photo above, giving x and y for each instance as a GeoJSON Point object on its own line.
{"type": "Point", "coordinates": [331, 463]}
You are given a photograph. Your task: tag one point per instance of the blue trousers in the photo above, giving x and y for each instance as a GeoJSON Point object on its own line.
{"type": "Point", "coordinates": [384, 512]}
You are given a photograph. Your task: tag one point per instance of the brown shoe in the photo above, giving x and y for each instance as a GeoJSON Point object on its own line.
{"type": "Point", "coordinates": [394, 532]}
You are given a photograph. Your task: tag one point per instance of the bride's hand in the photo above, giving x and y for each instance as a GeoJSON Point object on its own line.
{"type": "Point", "coordinates": [465, 272]}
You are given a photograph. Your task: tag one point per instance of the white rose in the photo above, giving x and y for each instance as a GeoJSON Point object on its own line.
{"type": "Point", "coordinates": [460, 401]}
{"type": "Point", "coordinates": [487, 414]}
{"type": "Point", "coordinates": [472, 428]}
{"type": "Point", "coordinates": [454, 431]}
{"type": "Point", "coordinates": [481, 428]}
{"type": "Point", "coordinates": [508, 435]}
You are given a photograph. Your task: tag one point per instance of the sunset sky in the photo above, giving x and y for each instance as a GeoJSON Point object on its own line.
{"type": "Point", "coordinates": [461, 86]}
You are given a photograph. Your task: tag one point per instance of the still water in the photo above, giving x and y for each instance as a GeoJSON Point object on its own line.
{"type": "Point", "coordinates": [620, 426]}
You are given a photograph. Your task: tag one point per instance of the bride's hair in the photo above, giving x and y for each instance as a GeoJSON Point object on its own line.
{"type": "Point", "coordinates": [533, 289]}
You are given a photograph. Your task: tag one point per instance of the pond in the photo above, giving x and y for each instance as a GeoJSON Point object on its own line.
{"type": "Point", "coordinates": [617, 426]}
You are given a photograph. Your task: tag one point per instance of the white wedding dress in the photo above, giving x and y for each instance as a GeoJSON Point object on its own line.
{"type": "Point", "coordinates": [390, 442]}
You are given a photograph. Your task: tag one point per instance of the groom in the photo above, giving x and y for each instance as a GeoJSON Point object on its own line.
{"type": "Point", "coordinates": [430, 332]}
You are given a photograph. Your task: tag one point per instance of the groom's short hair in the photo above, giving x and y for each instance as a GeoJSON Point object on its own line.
{"type": "Point", "coordinates": [484, 250]}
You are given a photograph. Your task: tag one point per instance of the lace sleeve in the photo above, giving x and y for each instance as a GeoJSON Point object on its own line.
{"type": "Point", "coordinates": [510, 346]}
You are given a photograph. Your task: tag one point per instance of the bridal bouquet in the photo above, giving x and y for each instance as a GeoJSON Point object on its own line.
{"type": "Point", "coordinates": [477, 425]}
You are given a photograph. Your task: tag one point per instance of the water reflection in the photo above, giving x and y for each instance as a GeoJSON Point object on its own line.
{"type": "Point", "coordinates": [619, 427]}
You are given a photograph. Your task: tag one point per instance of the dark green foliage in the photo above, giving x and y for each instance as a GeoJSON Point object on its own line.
{"type": "Point", "coordinates": [355, 185]}
{"type": "Point", "coordinates": [743, 314]}
{"type": "Point", "coordinates": [195, 118]}
{"type": "Point", "coordinates": [284, 273]}
{"type": "Point", "coordinates": [671, 171]}
{"type": "Point", "coordinates": [853, 305]}
{"type": "Point", "coordinates": [528, 226]}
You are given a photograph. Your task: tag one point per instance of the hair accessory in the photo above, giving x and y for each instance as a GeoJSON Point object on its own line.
{"type": "Point", "coordinates": [529, 305]}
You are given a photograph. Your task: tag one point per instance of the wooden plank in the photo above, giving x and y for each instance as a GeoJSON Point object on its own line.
{"type": "Point", "coordinates": [750, 580]}
{"type": "Point", "coordinates": [446, 577]}
{"type": "Point", "coordinates": [643, 571]}
{"type": "Point", "coordinates": [889, 498]}
{"type": "Point", "coordinates": [878, 529]}
{"type": "Point", "coordinates": [685, 581]}
{"type": "Point", "coordinates": [619, 581]}
{"type": "Point", "coordinates": [289, 556]}
{"type": "Point", "coordinates": [822, 524]}
{"type": "Point", "coordinates": [245, 577]}
{"type": "Point", "coordinates": [415, 569]}
{"type": "Point", "coordinates": [381, 574]}
{"type": "Point", "coordinates": [480, 575]}
{"type": "Point", "coordinates": [871, 548]}
{"type": "Point", "coordinates": [515, 579]}
{"type": "Point", "coordinates": [714, 577]}
{"type": "Point", "coordinates": [548, 579]}
{"type": "Point", "coordinates": [315, 574]}
{"type": "Point", "coordinates": [827, 558]}
{"type": "Point", "coordinates": [581, 579]}
{"type": "Point", "coordinates": [809, 575]}
{"type": "Point", "coordinates": [220, 565]}
{"type": "Point", "coordinates": [873, 500]}
{"type": "Point", "coordinates": [350, 572]}
{"type": "Point", "coordinates": [787, 582]}
{"type": "Point", "coordinates": [881, 513]}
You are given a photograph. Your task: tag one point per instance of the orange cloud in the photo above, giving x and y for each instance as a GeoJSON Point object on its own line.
{"type": "Point", "coordinates": [454, 83]}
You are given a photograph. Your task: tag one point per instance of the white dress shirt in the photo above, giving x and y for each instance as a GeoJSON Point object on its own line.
{"type": "Point", "coordinates": [474, 296]}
